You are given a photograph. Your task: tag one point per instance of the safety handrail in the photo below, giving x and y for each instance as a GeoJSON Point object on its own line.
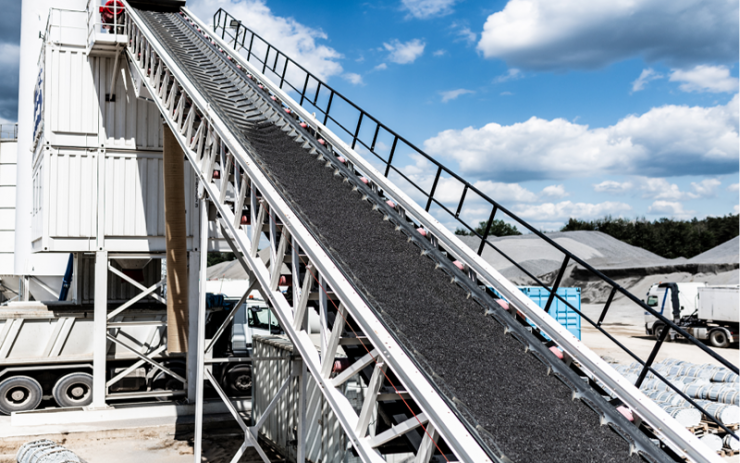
{"type": "Point", "coordinates": [244, 38]}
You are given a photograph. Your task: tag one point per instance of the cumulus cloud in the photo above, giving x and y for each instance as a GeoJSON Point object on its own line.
{"type": "Point", "coordinates": [453, 94]}
{"type": "Point", "coordinates": [673, 209]}
{"type": "Point", "coordinates": [511, 74]}
{"type": "Point", "coordinates": [548, 35]}
{"type": "Point", "coordinates": [353, 78]}
{"type": "Point", "coordinates": [660, 188]}
{"type": "Point", "coordinates": [404, 53]}
{"type": "Point", "coordinates": [736, 208]}
{"type": "Point", "coordinates": [381, 67]}
{"type": "Point", "coordinates": [464, 33]}
{"type": "Point", "coordinates": [440, 52]}
{"type": "Point", "coordinates": [665, 141]}
{"type": "Point", "coordinates": [734, 187]}
{"type": "Point", "coordinates": [703, 78]}
{"type": "Point", "coordinates": [423, 9]}
{"type": "Point", "coordinates": [296, 40]}
{"type": "Point", "coordinates": [555, 191]}
{"type": "Point", "coordinates": [552, 212]}
{"type": "Point", "coordinates": [645, 76]}
{"type": "Point", "coordinates": [9, 61]}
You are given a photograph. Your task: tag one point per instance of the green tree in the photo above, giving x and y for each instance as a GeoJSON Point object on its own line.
{"type": "Point", "coordinates": [218, 257]}
{"type": "Point", "coordinates": [498, 228]}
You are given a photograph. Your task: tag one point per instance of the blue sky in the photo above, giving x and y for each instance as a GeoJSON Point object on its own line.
{"type": "Point", "coordinates": [556, 109]}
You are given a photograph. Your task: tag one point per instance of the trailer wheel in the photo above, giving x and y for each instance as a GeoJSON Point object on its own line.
{"type": "Point", "coordinates": [19, 393]}
{"type": "Point", "coordinates": [73, 390]}
{"type": "Point", "coordinates": [164, 382]}
{"type": "Point", "coordinates": [237, 380]}
{"type": "Point", "coordinates": [718, 338]}
{"type": "Point", "coordinates": [658, 330]}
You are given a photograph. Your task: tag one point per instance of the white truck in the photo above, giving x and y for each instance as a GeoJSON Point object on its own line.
{"type": "Point", "coordinates": [706, 312]}
{"type": "Point", "coordinates": [46, 353]}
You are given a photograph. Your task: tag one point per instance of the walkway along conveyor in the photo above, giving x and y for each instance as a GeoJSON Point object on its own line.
{"type": "Point", "coordinates": [450, 371]}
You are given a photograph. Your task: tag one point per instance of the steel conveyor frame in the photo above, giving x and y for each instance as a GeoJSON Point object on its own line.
{"type": "Point", "coordinates": [212, 134]}
{"type": "Point", "coordinates": [152, 62]}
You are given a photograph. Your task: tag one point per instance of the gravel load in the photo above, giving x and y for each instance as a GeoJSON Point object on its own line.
{"type": "Point", "coordinates": [725, 253]}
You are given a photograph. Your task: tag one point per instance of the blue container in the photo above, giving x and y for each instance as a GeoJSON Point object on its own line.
{"type": "Point", "coordinates": [561, 312]}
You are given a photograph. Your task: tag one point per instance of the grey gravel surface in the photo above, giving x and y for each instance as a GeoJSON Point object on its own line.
{"type": "Point", "coordinates": [526, 414]}
{"type": "Point", "coordinates": [726, 253]}
{"type": "Point", "coordinates": [529, 415]}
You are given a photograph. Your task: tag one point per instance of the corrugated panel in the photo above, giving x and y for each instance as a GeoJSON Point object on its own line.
{"type": "Point", "coordinates": [37, 224]}
{"type": "Point", "coordinates": [73, 199]}
{"type": "Point", "coordinates": [558, 310]}
{"type": "Point", "coordinates": [134, 195]}
{"type": "Point", "coordinates": [128, 122]}
{"type": "Point", "coordinates": [72, 105]}
{"type": "Point", "coordinates": [325, 439]}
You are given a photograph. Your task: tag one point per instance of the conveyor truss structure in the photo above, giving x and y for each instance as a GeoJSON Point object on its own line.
{"type": "Point", "coordinates": [209, 94]}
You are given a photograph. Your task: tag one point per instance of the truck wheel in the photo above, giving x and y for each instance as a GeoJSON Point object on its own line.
{"type": "Point", "coordinates": [19, 393]}
{"type": "Point", "coordinates": [237, 380]}
{"type": "Point", "coordinates": [73, 390]}
{"type": "Point", "coordinates": [164, 382]}
{"type": "Point", "coordinates": [718, 338]}
{"type": "Point", "coordinates": [658, 330]}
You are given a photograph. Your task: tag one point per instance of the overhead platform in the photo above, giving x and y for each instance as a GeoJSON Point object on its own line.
{"type": "Point", "coordinates": [454, 376]}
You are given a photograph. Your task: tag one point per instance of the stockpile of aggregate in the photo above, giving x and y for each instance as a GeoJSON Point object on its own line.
{"type": "Point", "coordinates": [726, 253]}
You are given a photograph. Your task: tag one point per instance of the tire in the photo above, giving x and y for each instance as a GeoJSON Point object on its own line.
{"type": "Point", "coordinates": [73, 390]}
{"type": "Point", "coordinates": [718, 338]}
{"type": "Point", "coordinates": [164, 382]}
{"type": "Point", "coordinates": [237, 380]}
{"type": "Point", "coordinates": [658, 330]}
{"type": "Point", "coordinates": [19, 394]}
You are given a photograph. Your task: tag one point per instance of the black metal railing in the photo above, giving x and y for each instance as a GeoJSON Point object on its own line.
{"type": "Point", "coordinates": [8, 131]}
{"type": "Point", "coordinates": [363, 132]}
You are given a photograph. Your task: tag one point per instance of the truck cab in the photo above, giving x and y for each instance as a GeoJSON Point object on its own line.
{"type": "Point", "coordinates": [254, 317]}
{"type": "Point", "coordinates": [672, 300]}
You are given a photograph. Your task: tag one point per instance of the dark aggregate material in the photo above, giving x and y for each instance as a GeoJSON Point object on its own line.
{"type": "Point", "coordinates": [527, 415]}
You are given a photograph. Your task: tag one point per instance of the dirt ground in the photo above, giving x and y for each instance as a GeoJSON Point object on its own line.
{"type": "Point", "coordinates": [161, 444]}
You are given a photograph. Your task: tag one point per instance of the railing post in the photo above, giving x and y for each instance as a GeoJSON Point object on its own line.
{"type": "Point", "coordinates": [462, 200]}
{"type": "Point", "coordinates": [434, 188]}
{"type": "Point", "coordinates": [487, 230]}
{"type": "Point", "coordinates": [606, 307]}
{"type": "Point", "coordinates": [328, 107]}
{"type": "Point", "coordinates": [390, 156]}
{"type": "Point", "coordinates": [357, 130]}
{"type": "Point", "coordinates": [555, 287]}
{"type": "Point", "coordinates": [651, 358]}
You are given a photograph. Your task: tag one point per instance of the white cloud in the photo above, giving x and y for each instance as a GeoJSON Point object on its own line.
{"type": "Point", "coordinates": [555, 191]}
{"type": "Point", "coordinates": [734, 187]}
{"type": "Point", "coordinates": [353, 78]}
{"type": "Point", "coordinates": [511, 74]}
{"type": "Point", "coordinates": [704, 78]}
{"type": "Point", "coordinates": [404, 53]}
{"type": "Point", "coordinates": [296, 40]}
{"type": "Point", "coordinates": [546, 34]}
{"type": "Point", "coordinates": [423, 9]}
{"type": "Point", "coordinates": [453, 94]}
{"type": "Point", "coordinates": [673, 209]}
{"type": "Point", "coordinates": [465, 34]}
{"type": "Point", "coordinates": [665, 141]}
{"type": "Point", "coordinates": [645, 76]}
{"type": "Point", "coordinates": [506, 93]}
{"type": "Point", "coordinates": [660, 188]}
{"type": "Point", "coordinates": [440, 53]}
{"type": "Point", "coordinates": [552, 212]}
{"type": "Point", "coordinates": [736, 208]}
{"type": "Point", "coordinates": [381, 67]}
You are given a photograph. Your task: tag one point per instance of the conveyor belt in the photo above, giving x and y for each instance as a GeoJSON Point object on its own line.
{"type": "Point", "coordinates": [506, 394]}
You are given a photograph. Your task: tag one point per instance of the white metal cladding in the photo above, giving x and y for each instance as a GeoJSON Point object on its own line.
{"type": "Point", "coordinates": [8, 154]}
{"type": "Point", "coordinates": [37, 209]}
{"type": "Point", "coordinates": [325, 439]}
{"type": "Point", "coordinates": [73, 191]}
{"type": "Point", "coordinates": [71, 106]}
{"type": "Point", "coordinates": [127, 122]}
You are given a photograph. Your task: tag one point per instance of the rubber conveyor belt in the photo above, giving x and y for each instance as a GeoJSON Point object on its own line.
{"type": "Point", "coordinates": [526, 414]}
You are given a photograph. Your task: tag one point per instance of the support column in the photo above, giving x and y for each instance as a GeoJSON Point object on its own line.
{"type": "Point", "coordinates": [176, 239]}
{"type": "Point", "coordinates": [201, 330]}
{"type": "Point", "coordinates": [100, 323]}
{"type": "Point", "coordinates": [301, 428]}
{"type": "Point", "coordinates": [193, 303]}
